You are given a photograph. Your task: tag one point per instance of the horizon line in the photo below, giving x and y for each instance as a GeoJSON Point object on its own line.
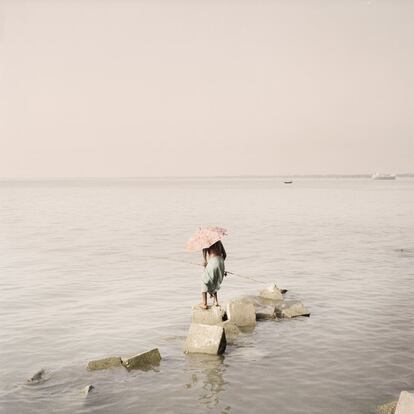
{"type": "Point", "coordinates": [317, 175]}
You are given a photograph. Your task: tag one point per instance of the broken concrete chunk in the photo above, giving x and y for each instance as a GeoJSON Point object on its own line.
{"type": "Point", "coordinates": [405, 403]}
{"type": "Point", "coordinates": [388, 408]}
{"type": "Point", "coordinates": [291, 309]}
{"type": "Point", "coordinates": [87, 390]}
{"type": "Point", "coordinates": [205, 339]}
{"type": "Point", "coordinates": [211, 316]}
{"type": "Point", "coordinates": [39, 376]}
{"type": "Point", "coordinates": [104, 363]}
{"type": "Point", "coordinates": [231, 330]}
{"type": "Point", "coordinates": [143, 361]}
{"type": "Point", "coordinates": [241, 313]}
{"type": "Point", "coordinates": [265, 312]}
{"type": "Point", "coordinates": [271, 292]}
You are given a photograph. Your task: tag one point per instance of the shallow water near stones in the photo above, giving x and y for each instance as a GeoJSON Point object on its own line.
{"type": "Point", "coordinates": [84, 275]}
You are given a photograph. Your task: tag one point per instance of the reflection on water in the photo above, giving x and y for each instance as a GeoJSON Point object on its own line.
{"type": "Point", "coordinates": [207, 373]}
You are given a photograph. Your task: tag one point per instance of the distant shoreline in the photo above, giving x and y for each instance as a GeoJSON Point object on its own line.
{"type": "Point", "coordinates": [215, 177]}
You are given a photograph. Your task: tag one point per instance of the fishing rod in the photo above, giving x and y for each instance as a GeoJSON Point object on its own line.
{"type": "Point", "coordinates": [199, 264]}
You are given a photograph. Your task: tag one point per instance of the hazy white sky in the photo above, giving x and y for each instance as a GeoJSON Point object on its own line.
{"type": "Point", "coordinates": [212, 87]}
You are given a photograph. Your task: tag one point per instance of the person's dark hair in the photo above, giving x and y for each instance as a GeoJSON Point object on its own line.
{"type": "Point", "coordinates": [217, 248]}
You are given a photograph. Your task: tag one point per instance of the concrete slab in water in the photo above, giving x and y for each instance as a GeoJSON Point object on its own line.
{"type": "Point", "coordinates": [144, 361]}
{"type": "Point", "coordinates": [291, 309]}
{"type": "Point", "coordinates": [405, 403]}
{"type": "Point", "coordinates": [231, 330]}
{"type": "Point", "coordinates": [211, 316]}
{"type": "Point", "coordinates": [265, 312]}
{"type": "Point", "coordinates": [104, 363]}
{"type": "Point", "coordinates": [38, 377]}
{"type": "Point", "coordinates": [241, 313]}
{"type": "Point", "coordinates": [205, 339]}
{"type": "Point", "coordinates": [271, 292]}
{"type": "Point", "coordinates": [87, 390]}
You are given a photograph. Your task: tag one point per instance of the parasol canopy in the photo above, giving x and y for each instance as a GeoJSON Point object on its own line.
{"type": "Point", "coordinates": [205, 237]}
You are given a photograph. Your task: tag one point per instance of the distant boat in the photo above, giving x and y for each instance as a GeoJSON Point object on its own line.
{"type": "Point", "coordinates": [378, 176]}
{"type": "Point", "coordinates": [288, 182]}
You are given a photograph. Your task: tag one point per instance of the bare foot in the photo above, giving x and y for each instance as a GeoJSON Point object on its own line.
{"type": "Point", "coordinates": [202, 306]}
{"type": "Point", "coordinates": [216, 304]}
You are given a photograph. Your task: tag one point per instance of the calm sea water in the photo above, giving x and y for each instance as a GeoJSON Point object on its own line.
{"type": "Point", "coordinates": [85, 273]}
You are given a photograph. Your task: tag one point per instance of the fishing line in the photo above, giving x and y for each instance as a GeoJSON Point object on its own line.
{"type": "Point", "coordinates": [199, 264]}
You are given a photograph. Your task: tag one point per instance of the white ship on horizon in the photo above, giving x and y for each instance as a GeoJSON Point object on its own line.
{"type": "Point", "coordinates": [379, 176]}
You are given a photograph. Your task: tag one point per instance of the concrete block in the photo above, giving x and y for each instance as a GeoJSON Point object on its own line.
{"type": "Point", "coordinates": [388, 408]}
{"type": "Point", "coordinates": [231, 330]}
{"type": "Point", "coordinates": [265, 312]}
{"type": "Point", "coordinates": [205, 339]}
{"type": "Point", "coordinates": [211, 316]}
{"type": "Point", "coordinates": [38, 377]}
{"type": "Point", "coordinates": [291, 309]}
{"type": "Point", "coordinates": [241, 313]}
{"type": "Point", "coordinates": [144, 361]}
{"type": "Point", "coordinates": [271, 292]}
{"type": "Point", "coordinates": [405, 403]}
{"type": "Point", "coordinates": [87, 390]}
{"type": "Point", "coordinates": [104, 363]}
{"type": "Point", "coordinates": [249, 299]}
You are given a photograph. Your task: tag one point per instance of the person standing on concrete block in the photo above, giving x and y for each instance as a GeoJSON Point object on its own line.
{"type": "Point", "coordinates": [208, 240]}
{"type": "Point", "coordinates": [214, 257]}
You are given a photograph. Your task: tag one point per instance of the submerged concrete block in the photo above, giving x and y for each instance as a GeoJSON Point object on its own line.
{"type": "Point", "coordinates": [231, 330]}
{"type": "Point", "coordinates": [39, 376]}
{"type": "Point", "coordinates": [271, 292]}
{"type": "Point", "coordinates": [291, 309]}
{"type": "Point", "coordinates": [144, 361]}
{"type": "Point", "coordinates": [104, 363]}
{"type": "Point", "coordinates": [205, 339]}
{"type": "Point", "coordinates": [388, 408]}
{"type": "Point", "coordinates": [87, 390]}
{"type": "Point", "coordinates": [211, 316]}
{"type": "Point", "coordinates": [405, 403]}
{"type": "Point", "coordinates": [241, 313]}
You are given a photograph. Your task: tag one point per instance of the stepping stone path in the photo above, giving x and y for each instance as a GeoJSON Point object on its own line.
{"type": "Point", "coordinates": [206, 333]}
{"type": "Point", "coordinates": [210, 331]}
